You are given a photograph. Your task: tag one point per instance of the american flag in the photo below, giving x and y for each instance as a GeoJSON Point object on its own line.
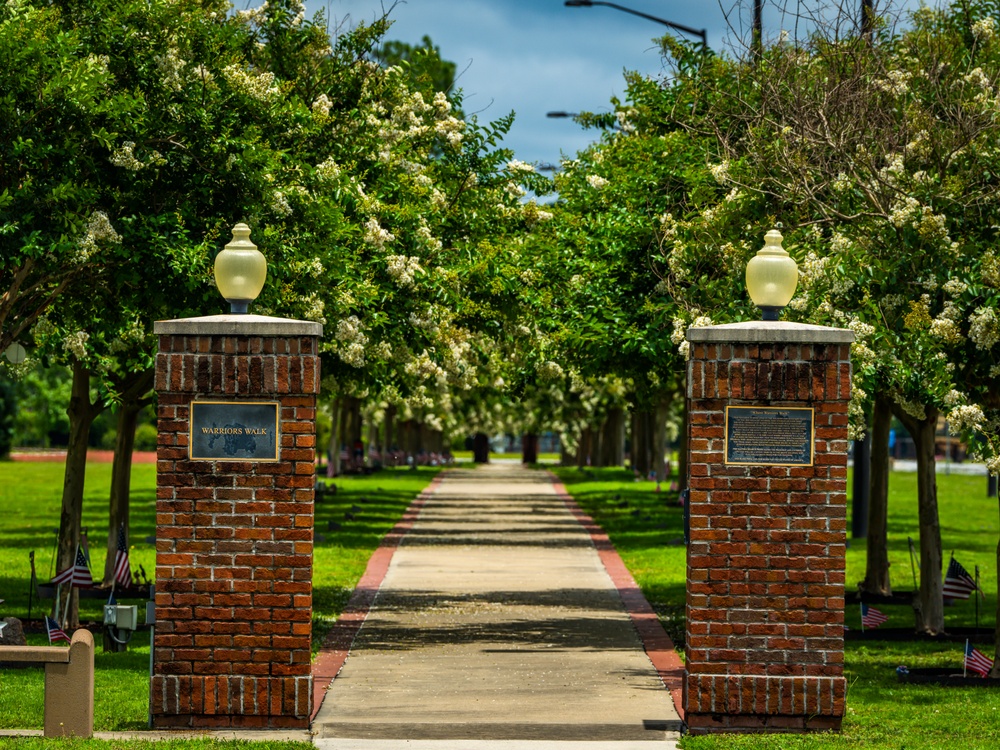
{"type": "Point", "coordinates": [977, 661]}
{"type": "Point", "coordinates": [78, 574]}
{"type": "Point", "coordinates": [123, 571]}
{"type": "Point", "coordinates": [56, 633]}
{"type": "Point", "coordinates": [958, 584]}
{"type": "Point", "coordinates": [871, 617]}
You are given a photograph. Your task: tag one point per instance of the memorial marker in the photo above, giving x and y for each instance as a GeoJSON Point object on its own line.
{"type": "Point", "coordinates": [769, 436]}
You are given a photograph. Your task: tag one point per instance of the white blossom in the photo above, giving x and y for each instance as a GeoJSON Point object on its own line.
{"type": "Point", "coordinates": [328, 170]}
{"type": "Point", "coordinates": [839, 243]}
{"type": "Point", "coordinates": [966, 417]}
{"type": "Point", "coordinates": [376, 235]}
{"type": "Point", "coordinates": [403, 268]}
{"type": "Point", "coordinates": [946, 329]}
{"type": "Point", "coordinates": [954, 287]}
{"type": "Point", "coordinates": [350, 329]}
{"type": "Point", "coordinates": [259, 85]}
{"type": "Point", "coordinates": [75, 344]}
{"type": "Point", "coordinates": [896, 82]}
{"type": "Point", "coordinates": [441, 103]}
{"type": "Point", "coordinates": [170, 66]}
{"type": "Point", "coordinates": [720, 172]}
{"type": "Point", "coordinates": [280, 204]}
{"type": "Point", "coordinates": [353, 354]}
{"type": "Point", "coordinates": [550, 371]}
{"type": "Point", "coordinates": [321, 106]}
{"type": "Point", "coordinates": [124, 157]}
{"type": "Point", "coordinates": [596, 181]}
{"type": "Point", "coordinates": [984, 29]}
{"type": "Point", "coordinates": [954, 398]}
{"type": "Point", "coordinates": [99, 229]}
{"type": "Point", "coordinates": [984, 328]}
{"type": "Point", "coordinates": [516, 165]}
{"type": "Point", "coordinates": [902, 211]}
{"type": "Point", "coordinates": [914, 409]}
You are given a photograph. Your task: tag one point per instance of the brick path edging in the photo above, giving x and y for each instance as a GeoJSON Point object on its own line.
{"type": "Point", "coordinates": [337, 644]}
{"type": "Point", "coordinates": [658, 645]}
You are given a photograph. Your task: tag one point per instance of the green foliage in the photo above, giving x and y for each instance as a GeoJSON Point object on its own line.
{"type": "Point", "coordinates": [42, 395]}
{"type": "Point", "coordinates": [423, 64]}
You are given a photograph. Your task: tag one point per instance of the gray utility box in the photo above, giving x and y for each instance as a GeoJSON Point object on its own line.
{"type": "Point", "coordinates": [121, 616]}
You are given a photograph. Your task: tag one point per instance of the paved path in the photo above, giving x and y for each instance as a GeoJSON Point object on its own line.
{"type": "Point", "coordinates": [496, 626]}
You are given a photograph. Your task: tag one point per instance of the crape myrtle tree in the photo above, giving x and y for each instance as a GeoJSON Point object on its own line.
{"type": "Point", "coordinates": [180, 119]}
{"type": "Point", "coordinates": [425, 312]}
{"type": "Point", "coordinates": [877, 159]}
{"type": "Point", "coordinates": [629, 286]}
{"type": "Point", "coordinates": [137, 133]}
{"type": "Point", "coordinates": [889, 147]}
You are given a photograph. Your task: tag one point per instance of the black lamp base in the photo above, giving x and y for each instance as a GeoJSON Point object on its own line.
{"type": "Point", "coordinates": [770, 313]}
{"type": "Point", "coordinates": [239, 306]}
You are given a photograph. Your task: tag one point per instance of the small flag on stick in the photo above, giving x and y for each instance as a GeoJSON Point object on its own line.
{"type": "Point", "coordinates": [123, 571]}
{"type": "Point", "coordinates": [977, 661]}
{"type": "Point", "coordinates": [78, 574]}
{"type": "Point", "coordinates": [958, 584]}
{"type": "Point", "coordinates": [871, 617]}
{"type": "Point", "coordinates": [56, 633]}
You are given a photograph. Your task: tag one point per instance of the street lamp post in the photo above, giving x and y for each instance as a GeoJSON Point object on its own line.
{"type": "Point", "coordinates": [676, 26]}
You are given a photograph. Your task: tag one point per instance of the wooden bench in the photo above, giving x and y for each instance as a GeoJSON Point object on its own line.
{"type": "Point", "coordinates": [69, 683]}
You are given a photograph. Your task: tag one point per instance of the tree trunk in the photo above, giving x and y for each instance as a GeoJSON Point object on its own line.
{"type": "Point", "coordinates": [613, 438]}
{"type": "Point", "coordinates": [566, 456]}
{"type": "Point", "coordinates": [81, 415]}
{"type": "Point", "coordinates": [529, 448]}
{"type": "Point", "coordinates": [862, 486]}
{"type": "Point", "coordinates": [659, 434]}
{"type": "Point", "coordinates": [333, 449]}
{"type": "Point", "coordinates": [583, 450]}
{"type": "Point", "coordinates": [596, 452]}
{"type": "Point", "coordinates": [481, 448]}
{"type": "Point", "coordinates": [387, 444]}
{"type": "Point", "coordinates": [640, 453]}
{"type": "Point", "coordinates": [136, 386]}
{"type": "Point", "coordinates": [995, 672]}
{"type": "Point", "coordinates": [930, 611]}
{"type": "Point", "coordinates": [877, 579]}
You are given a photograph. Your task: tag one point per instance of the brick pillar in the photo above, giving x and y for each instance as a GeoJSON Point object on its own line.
{"type": "Point", "coordinates": [234, 525]}
{"type": "Point", "coordinates": [765, 564]}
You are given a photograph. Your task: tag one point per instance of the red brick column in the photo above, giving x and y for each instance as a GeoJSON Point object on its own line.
{"type": "Point", "coordinates": [234, 538]}
{"type": "Point", "coordinates": [765, 575]}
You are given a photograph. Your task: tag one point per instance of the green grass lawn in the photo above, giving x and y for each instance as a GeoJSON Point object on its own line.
{"type": "Point", "coordinates": [30, 495]}
{"type": "Point", "coordinates": [646, 527]}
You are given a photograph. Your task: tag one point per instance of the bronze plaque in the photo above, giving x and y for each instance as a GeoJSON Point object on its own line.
{"type": "Point", "coordinates": [234, 431]}
{"type": "Point", "coordinates": [769, 436]}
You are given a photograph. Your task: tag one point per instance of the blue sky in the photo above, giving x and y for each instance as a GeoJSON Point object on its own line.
{"type": "Point", "coordinates": [535, 56]}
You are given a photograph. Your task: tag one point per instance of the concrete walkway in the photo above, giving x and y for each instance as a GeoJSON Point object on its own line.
{"type": "Point", "coordinates": [496, 626]}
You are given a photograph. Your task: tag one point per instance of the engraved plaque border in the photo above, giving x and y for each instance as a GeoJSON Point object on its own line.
{"type": "Point", "coordinates": [801, 409]}
{"type": "Point", "coordinates": [216, 403]}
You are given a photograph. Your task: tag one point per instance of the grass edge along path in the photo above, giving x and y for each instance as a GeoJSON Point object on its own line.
{"type": "Point", "coordinates": [646, 528]}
